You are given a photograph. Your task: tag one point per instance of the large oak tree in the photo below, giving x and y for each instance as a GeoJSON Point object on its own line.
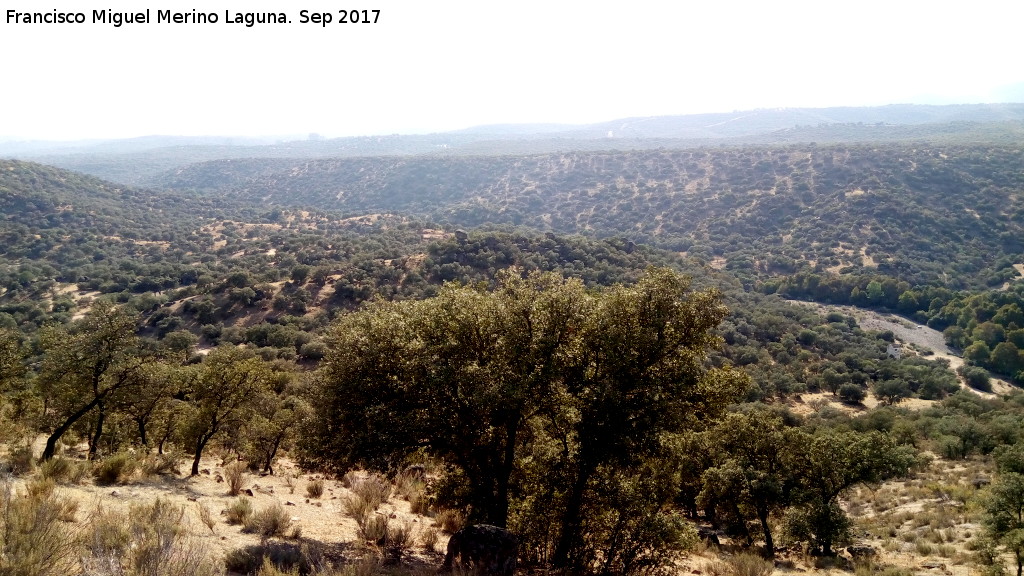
{"type": "Point", "coordinates": [482, 378]}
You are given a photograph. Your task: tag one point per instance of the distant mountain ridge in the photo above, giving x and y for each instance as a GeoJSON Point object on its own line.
{"type": "Point", "coordinates": [136, 160]}
{"type": "Point", "coordinates": [760, 121]}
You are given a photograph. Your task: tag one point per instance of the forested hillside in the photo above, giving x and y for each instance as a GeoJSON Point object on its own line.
{"type": "Point", "coordinates": [937, 215]}
{"type": "Point", "coordinates": [274, 278]}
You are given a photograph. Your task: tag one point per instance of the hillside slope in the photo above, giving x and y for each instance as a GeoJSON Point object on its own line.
{"type": "Point", "coordinates": [938, 214]}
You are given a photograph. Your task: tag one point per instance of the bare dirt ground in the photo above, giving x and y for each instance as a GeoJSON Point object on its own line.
{"type": "Point", "coordinates": [322, 521]}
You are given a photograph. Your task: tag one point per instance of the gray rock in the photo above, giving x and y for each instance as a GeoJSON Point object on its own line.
{"type": "Point", "coordinates": [482, 549]}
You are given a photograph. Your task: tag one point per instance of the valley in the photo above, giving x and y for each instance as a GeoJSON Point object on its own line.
{"type": "Point", "coordinates": [617, 349]}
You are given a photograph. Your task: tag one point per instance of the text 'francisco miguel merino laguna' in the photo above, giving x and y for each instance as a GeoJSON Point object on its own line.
{"type": "Point", "coordinates": [118, 19]}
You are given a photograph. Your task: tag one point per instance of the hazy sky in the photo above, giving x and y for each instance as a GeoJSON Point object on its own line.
{"type": "Point", "coordinates": [439, 65]}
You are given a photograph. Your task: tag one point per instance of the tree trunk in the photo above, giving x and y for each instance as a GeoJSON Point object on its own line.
{"type": "Point", "coordinates": [270, 457]}
{"type": "Point", "coordinates": [164, 437]}
{"type": "Point", "coordinates": [141, 423]}
{"type": "Point", "coordinates": [769, 543]}
{"type": "Point", "coordinates": [567, 540]}
{"type": "Point", "coordinates": [200, 446]}
{"type": "Point", "coordinates": [504, 476]}
{"type": "Point", "coordinates": [746, 531]}
{"type": "Point", "coordinates": [51, 442]}
{"type": "Point", "coordinates": [94, 441]}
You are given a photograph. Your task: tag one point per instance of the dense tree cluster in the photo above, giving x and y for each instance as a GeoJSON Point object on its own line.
{"type": "Point", "coordinates": [494, 382]}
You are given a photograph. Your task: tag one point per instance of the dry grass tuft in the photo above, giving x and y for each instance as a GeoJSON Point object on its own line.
{"type": "Point", "coordinates": [373, 528]}
{"type": "Point", "coordinates": [749, 564]}
{"type": "Point", "coordinates": [284, 557]}
{"type": "Point", "coordinates": [161, 465]}
{"type": "Point", "coordinates": [270, 521]}
{"type": "Point", "coordinates": [450, 521]}
{"type": "Point", "coordinates": [64, 470]}
{"type": "Point", "coordinates": [315, 488]}
{"type": "Point", "coordinates": [35, 540]}
{"type": "Point", "coordinates": [429, 538]}
{"type": "Point", "coordinates": [115, 469]}
{"type": "Point", "coordinates": [234, 474]}
{"type": "Point", "coordinates": [20, 460]}
{"type": "Point", "coordinates": [239, 511]}
{"type": "Point", "coordinates": [374, 489]}
{"type": "Point", "coordinates": [149, 540]}
{"type": "Point", "coordinates": [206, 517]}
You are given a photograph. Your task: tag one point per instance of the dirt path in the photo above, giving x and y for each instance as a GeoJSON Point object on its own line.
{"type": "Point", "coordinates": [907, 332]}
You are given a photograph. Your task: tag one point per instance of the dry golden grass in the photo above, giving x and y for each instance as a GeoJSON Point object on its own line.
{"type": "Point", "coordinates": [932, 518]}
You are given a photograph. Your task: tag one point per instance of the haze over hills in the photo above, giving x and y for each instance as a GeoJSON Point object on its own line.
{"type": "Point", "coordinates": [133, 161]}
{"type": "Point", "coordinates": [752, 122]}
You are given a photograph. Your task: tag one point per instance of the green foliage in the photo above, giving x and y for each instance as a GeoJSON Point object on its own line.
{"type": "Point", "coordinates": [891, 391]}
{"type": "Point", "coordinates": [851, 393]}
{"type": "Point", "coordinates": [272, 427]}
{"type": "Point", "coordinates": [822, 524]}
{"type": "Point", "coordinates": [754, 470]}
{"type": "Point", "coordinates": [831, 463]}
{"type": "Point", "coordinates": [976, 378]}
{"type": "Point", "coordinates": [223, 394]}
{"type": "Point", "coordinates": [86, 368]}
{"type": "Point", "coordinates": [1004, 512]}
{"type": "Point", "coordinates": [1010, 458]}
{"type": "Point", "coordinates": [625, 366]}
{"type": "Point", "coordinates": [11, 355]}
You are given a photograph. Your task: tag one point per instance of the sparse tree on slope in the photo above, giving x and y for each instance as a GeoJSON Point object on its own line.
{"type": "Point", "coordinates": [756, 470]}
{"type": "Point", "coordinates": [637, 375]}
{"type": "Point", "coordinates": [457, 374]}
{"type": "Point", "coordinates": [831, 463]}
{"type": "Point", "coordinates": [86, 366]}
{"type": "Point", "coordinates": [584, 389]}
{"type": "Point", "coordinates": [223, 395]}
{"type": "Point", "coordinates": [1005, 515]}
{"type": "Point", "coordinates": [156, 385]}
{"type": "Point", "coordinates": [273, 427]}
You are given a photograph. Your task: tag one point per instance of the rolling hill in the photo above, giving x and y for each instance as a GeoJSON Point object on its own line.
{"type": "Point", "coordinates": [939, 214]}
